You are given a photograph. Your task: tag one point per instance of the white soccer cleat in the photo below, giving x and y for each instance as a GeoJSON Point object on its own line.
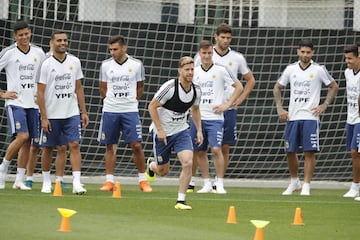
{"type": "Point", "coordinates": [78, 189]}
{"type": "Point", "coordinates": [293, 187]}
{"type": "Point", "coordinates": [351, 193]}
{"type": "Point", "coordinates": [46, 187]}
{"type": "Point", "coordinates": [305, 191]}
{"type": "Point", "coordinates": [207, 188]}
{"type": "Point", "coordinates": [357, 199]}
{"type": "Point", "coordinates": [219, 190]}
{"type": "Point", "coordinates": [21, 186]}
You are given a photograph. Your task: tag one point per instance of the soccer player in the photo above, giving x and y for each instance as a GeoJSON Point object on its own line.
{"type": "Point", "coordinates": [212, 79]}
{"type": "Point", "coordinates": [352, 77]}
{"type": "Point", "coordinates": [236, 63]}
{"type": "Point", "coordinates": [21, 61]}
{"type": "Point", "coordinates": [121, 86]}
{"type": "Point", "coordinates": [60, 94]}
{"type": "Point", "coordinates": [168, 110]}
{"type": "Point", "coordinates": [60, 161]}
{"type": "Point", "coordinates": [302, 119]}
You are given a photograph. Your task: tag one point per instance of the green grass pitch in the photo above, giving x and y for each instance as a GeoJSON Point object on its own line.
{"type": "Point", "coordinates": [149, 216]}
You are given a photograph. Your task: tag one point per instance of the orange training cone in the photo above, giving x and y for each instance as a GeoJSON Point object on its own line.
{"type": "Point", "coordinates": [231, 215]}
{"type": "Point", "coordinates": [298, 217]}
{"type": "Point", "coordinates": [58, 190]}
{"type": "Point", "coordinates": [259, 234]}
{"type": "Point", "coordinates": [65, 219]}
{"type": "Point", "coordinates": [259, 224]}
{"type": "Point", "coordinates": [117, 190]}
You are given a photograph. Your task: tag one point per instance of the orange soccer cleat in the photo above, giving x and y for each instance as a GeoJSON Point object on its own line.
{"type": "Point", "coordinates": [145, 186]}
{"type": "Point", "coordinates": [108, 186]}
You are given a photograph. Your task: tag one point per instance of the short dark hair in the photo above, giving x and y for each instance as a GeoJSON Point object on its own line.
{"type": "Point", "coordinates": [306, 43]}
{"type": "Point", "coordinates": [205, 44]}
{"type": "Point", "coordinates": [56, 32]}
{"type": "Point", "coordinates": [20, 25]}
{"type": "Point", "coordinates": [352, 49]}
{"type": "Point", "coordinates": [117, 39]}
{"type": "Point", "coordinates": [223, 28]}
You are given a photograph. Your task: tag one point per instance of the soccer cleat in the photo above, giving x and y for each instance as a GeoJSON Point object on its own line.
{"type": "Point", "coordinates": [352, 193]}
{"type": "Point", "coordinates": [293, 187]}
{"type": "Point", "coordinates": [21, 186]}
{"type": "Point", "coordinates": [207, 188]}
{"type": "Point", "coordinates": [46, 187]}
{"type": "Point", "coordinates": [305, 191]}
{"type": "Point", "coordinates": [108, 186]}
{"type": "Point", "coordinates": [357, 199]}
{"type": "Point", "coordinates": [78, 189]}
{"type": "Point", "coordinates": [182, 206]}
{"type": "Point", "coordinates": [29, 183]}
{"type": "Point", "coordinates": [219, 190]}
{"type": "Point", "coordinates": [190, 189]}
{"type": "Point", "coordinates": [145, 186]}
{"type": "Point", "coordinates": [150, 175]}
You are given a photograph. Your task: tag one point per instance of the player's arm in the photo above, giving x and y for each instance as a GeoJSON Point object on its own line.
{"type": "Point", "coordinates": [283, 115]}
{"type": "Point", "coordinates": [196, 116]}
{"type": "Point", "coordinates": [8, 94]}
{"type": "Point", "coordinates": [45, 124]}
{"type": "Point", "coordinates": [249, 86]}
{"type": "Point", "coordinates": [333, 88]}
{"type": "Point", "coordinates": [103, 89]}
{"type": "Point", "coordinates": [153, 106]}
{"type": "Point", "coordinates": [139, 89]}
{"type": "Point", "coordinates": [79, 90]}
{"type": "Point", "coordinates": [236, 93]}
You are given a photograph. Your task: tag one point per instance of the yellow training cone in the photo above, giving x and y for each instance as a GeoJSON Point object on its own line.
{"type": "Point", "coordinates": [65, 219]}
{"type": "Point", "coordinates": [259, 224]}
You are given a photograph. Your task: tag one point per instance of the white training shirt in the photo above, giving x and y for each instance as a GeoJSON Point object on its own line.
{"type": "Point", "coordinates": [174, 122]}
{"type": "Point", "coordinates": [60, 80]}
{"type": "Point", "coordinates": [352, 93]}
{"type": "Point", "coordinates": [234, 61]}
{"type": "Point", "coordinates": [305, 88]}
{"type": "Point", "coordinates": [121, 82]}
{"type": "Point", "coordinates": [212, 83]}
{"type": "Point", "coordinates": [21, 70]}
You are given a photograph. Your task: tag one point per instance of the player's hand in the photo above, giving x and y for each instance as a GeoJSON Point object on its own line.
{"type": "Point", "coordinates": [220, 108]}
{"type": "Point", "coordinates": [199, 138]}
{"type": "Point", "coordinates": [84, 120]}
{"type": "Point", "coordinates": [9, 95]}
{"type": "Point", "coordinates": [46, 126]}
{"type": "Point", "coordinates": [317, 111]}
{"type": "Point", "coordinates": [161, 135]}
{"type": "Point", "coordinates": [283, 115]}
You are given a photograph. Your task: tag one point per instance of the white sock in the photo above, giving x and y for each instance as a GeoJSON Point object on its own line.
{"type": "Point", "coordinates": [59, 178]}
{"type": "Point", "coordinates": [109, 178]}
{"type": "Point", "coordinates": [20, 173]}
{"type": "Point", "coordinates": [294, 180]}
{"type": "Point", "coordinates": [46, 176]}
{"type": "Point", "coordinates": [355, 186]}
{"type": "Point", "coordinates": [192, 181]}
{"type": "Point", "coordinates": [207, 182]}
{"type": "Point", "coordinates": [181, 196]}
{"type": "Point", "coordinates": [29, 178]}
{"type": "Point", "coordinates": [151, 165]}
{"type": "Point", "coordinates": [76, 177]}
{"type": "Point", "coordinates": [220, 181]}
{"type": "Point", "coordinates": [5, 165]}
{"type": "Point", "coordinates": [142, 177]}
